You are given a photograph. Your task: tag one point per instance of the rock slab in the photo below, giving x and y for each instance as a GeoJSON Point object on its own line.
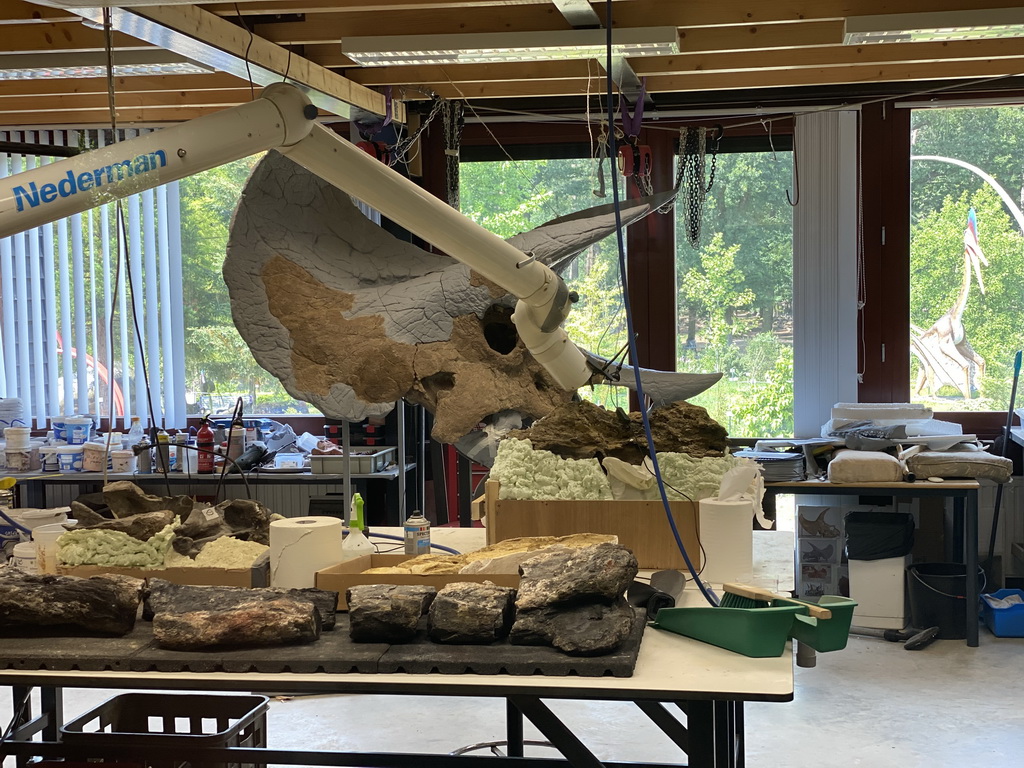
{"type": "Point", "coordinates": [466, 613]}
{"type": "Point", "coordinates": [255, 623]}
{"type": "Point", "coordinates": [164, 597]}
{"type": "Point", "coordinates": [386, 613]}
{"type": "Point", "coordinates": [101, 604]}
{"type": "Point", "coordinates": [571, 577]}
{"type": "Point", "coordinates": [581, 630]}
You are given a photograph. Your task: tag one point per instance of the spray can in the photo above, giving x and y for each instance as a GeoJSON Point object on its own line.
{"type": "Point", "coordinates": [417, 534]}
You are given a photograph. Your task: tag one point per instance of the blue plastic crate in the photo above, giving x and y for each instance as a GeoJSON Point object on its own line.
{"type": "Point", "coordinates": [1004, 622]}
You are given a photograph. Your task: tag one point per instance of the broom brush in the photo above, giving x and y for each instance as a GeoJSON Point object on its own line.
{"type": "Point", "coordinates": [746, 596]}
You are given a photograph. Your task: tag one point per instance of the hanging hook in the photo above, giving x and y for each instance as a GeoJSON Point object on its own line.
{"type": "Point", "coordinates": [796, 175]}
{"type": "Point", "coordinates": [767, 125]}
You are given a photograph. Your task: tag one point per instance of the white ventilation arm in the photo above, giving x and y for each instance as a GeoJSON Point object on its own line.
{"type": "Point", "coordinates": [282, 118]}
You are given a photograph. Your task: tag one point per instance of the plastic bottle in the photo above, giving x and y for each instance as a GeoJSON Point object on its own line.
{"type": "Point", "coordinates": [417, 534]}
{"type": "Point", "coordinates": [135, 434]}
{"type": "Point", "coordinates": [204, 442]}
{"type": "Point", "coordinates": [163, 451]}
{"type": "Point", "coordinates": [236, 440]}
{"type": "Point", "coordinates": [356, 544]}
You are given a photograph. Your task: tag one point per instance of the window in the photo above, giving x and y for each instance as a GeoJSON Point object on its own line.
{"type": "Point", "coordinates": [736, 293]}
{"type": "Point", "coordinates": [966, 255]}
{"type": "Point", "coordinates": [509, 197]}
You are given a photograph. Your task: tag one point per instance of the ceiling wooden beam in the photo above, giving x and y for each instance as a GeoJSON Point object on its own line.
{"type": "Point", "coordinates": [19, 12]}
{"type": "Point", "coordinates": [749, 79]}
{"type": "Point", "coordinates": [61, 36]}
{"type": "Point", "coordinates": [830, 56]}
{"type": "Point", "coordinates": [126, 117]}
{"type": "Point", "coordinates": [284, 7]}
{"type": "Point", "coordinates": [122, 85]}
{"type": "Point", "coordinates": [152, 99]}
{"type": "Point", "coordinates": [204, 37]}
{"type": "Point", "coordinates": [760, 37]}
{"type": "Point", "coordinates": [467, 73]}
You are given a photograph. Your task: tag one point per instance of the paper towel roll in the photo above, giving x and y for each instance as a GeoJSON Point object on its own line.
{"type": "Point", "coordinates": [727, 536]}
{"type": "Point", "coordinates": [299, 547]}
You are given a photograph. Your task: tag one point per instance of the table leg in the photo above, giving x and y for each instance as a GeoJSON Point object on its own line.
{"type": "Point", "coordinates": [575, 752]}
{"type": "Point", "coordinates": [971, 563]}
{"type": "Point", "coordinates": [513, 729]}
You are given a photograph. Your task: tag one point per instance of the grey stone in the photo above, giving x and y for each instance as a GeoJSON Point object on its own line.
{"type": "Point", "coordinates": [102, 604]}
{"type": "Point", "coordinates": [142, 526]}
{"type": "Point", "coordinates": [465, 613]}
{"type": "Point", "coordinates": [281, 621]}
{"type": "Point", "coordinates": [125, 499]}
{"type": "Point", "coordinates": [386, 613]}
{"type": "Point", "coordinates": [568, 577]}
{"type": "Point", "coordinates": [244, 519]}
{"type": "Point", "coordinates": [164, 597]}
{"type": "Point", "coordinates": [582, 630]}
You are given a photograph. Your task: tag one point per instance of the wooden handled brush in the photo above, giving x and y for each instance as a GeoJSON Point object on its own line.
{"type": "Point", "coordinates": [746, 596]}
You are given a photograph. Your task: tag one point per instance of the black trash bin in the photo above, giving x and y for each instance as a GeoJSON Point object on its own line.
{"type": "Point", "coordinates": [937, 593]}
{"type": "Point", "coordinates": [872, 535]}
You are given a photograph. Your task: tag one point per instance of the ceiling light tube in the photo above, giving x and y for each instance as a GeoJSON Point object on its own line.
{"type": "Point", "coordinates": [937, 26]}
{"type": "Point", "coordinates": [491, 47]}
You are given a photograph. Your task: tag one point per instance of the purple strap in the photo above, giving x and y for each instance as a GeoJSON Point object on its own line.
{"type": "Point", "coordinates": [631, 122]}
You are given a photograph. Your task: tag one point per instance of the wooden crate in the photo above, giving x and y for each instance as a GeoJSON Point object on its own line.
{"type": "Point", "coordinates": [642, 526]}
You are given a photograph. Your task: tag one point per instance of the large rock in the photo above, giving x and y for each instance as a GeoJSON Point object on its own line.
{"type": "Point", "coordinates": [582, 630]}
{"type": "Point", "coordinates": [582, 430]}
{"type": "Point", "coordinates": [101, 604]}
{"type": "Point", "coordinates": [244, 519]}
{"type": "Point", "coordinates": [386, 613]}
{"type": "Point", "coordinates": [143, 526]}
{"type": "Point", "coordinates": [471, 613]}
{"type": "Point", "coordinates": [125, 499]}
{"type": "Point", "coordinates": [591, 574]}
{"type": "Point", "coordinates": [165, 597]}
{"type": "Point", "coordinates": [281, 621]}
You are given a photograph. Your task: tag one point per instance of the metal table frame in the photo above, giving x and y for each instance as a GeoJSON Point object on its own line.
{"type": "Point", "coordinates": [674, 675]}
{"type": "Point", "coordinates": [964, 494]}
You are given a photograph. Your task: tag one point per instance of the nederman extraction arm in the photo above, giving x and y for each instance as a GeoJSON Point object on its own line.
{"type": "Point", "coordinates": [283, 119]}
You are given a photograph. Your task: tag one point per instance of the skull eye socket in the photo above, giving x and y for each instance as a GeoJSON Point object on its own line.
{"type": "Point", "coordinates": [499, 330]}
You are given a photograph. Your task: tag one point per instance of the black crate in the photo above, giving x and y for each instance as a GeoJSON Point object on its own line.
{"type": "Point", "coordinates": [166, 722]}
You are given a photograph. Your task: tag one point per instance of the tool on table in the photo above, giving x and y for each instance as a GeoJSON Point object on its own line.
{"type": "Point", "coordinates": [746, 596]}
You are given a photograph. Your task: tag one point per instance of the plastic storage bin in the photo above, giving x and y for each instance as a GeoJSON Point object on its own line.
{"type": "Point", "coordinates": [365, 461]}
{"type": "Point", "coordinates": [1004, 622]}
{"type": "Point", "coordinates": [155, 721]}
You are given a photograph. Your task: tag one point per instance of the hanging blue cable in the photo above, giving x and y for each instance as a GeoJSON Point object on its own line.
{"type": "Point", "coordinates": [641, 398]}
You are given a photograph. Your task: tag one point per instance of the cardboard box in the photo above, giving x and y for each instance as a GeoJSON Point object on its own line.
{"type": "Point", "coordinates": [640, 525]}
{"type": "Point", "coordinates": [350, 573]}
{"type": "Point", "coordinates": [256, 576]}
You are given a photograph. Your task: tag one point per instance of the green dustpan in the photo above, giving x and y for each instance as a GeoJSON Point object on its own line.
{"type": "Point", "coordinates": [826, 634]}
{"type": "Point", "coordinates": [754, 632]}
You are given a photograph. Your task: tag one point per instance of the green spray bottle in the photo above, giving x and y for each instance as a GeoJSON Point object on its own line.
{"type": "Point", "coordinates": [356, 544]}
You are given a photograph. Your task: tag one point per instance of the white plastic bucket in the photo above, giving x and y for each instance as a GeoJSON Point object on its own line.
{"type": "Point", "coordinates": [78, 428]}
{"type": "Point", "coordinates": [48, 459]}
{"type": "Point", "coordinates": [18, 460]}
{"type": "Point", "coordinates": [18, 438]}
{"type": "Point", "coordinates": [122, 462]}
{"type": "Point", "coordinates": [94, 457]}
{"type": "Point", "coordinates": [23, 558]}
{"type": "Point", "coordinates": [45, 537]}
{"type": "Point", "coordinates": [70, 458]}
{"type": "Point", "coordinates": [57, 424]}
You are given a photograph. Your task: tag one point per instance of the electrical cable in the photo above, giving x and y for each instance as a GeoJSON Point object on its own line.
{"type": "Point", "coordinates": [392, 537]}
{"type": "Point", "coordinates": [641, 398]}
{"type": "Point", "coordinates": [245, 56]}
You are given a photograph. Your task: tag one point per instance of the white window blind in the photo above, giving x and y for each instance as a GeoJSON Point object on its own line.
{"type": "Point", "coordinates": [57, 289]}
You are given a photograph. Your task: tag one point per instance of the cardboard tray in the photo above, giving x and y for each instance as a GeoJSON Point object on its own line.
{"type": "Point", "coordinates": [640, 525]}
{"type": "Point", "coordinates": [350, 573]}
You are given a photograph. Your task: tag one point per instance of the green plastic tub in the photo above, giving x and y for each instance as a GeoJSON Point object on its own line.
{"type": "Point", "coordinates": [754, 632]}
{"type": "Point", "coordinates": [826, 634]}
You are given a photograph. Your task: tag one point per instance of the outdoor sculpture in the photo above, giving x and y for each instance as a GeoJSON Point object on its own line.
{"type": "Point", "coordinates": [943, 351]}
{"type": "Point", "coordinates": [352, 319]}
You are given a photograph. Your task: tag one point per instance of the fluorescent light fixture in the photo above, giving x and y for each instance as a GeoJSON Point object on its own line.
{"type": "Point", "coordinates": [490, 47]}
{"type": "Point", "coordinates": [937, 26]}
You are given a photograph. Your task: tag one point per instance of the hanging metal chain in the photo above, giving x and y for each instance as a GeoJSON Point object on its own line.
{"type": "Point", "coordinates": [453, 117]}
{"type": "Point", "coordinates": [401, 148]}
{"type": "Point", "coordinates": [691, 172]}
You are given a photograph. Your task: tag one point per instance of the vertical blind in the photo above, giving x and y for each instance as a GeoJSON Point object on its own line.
{"type": "Point", "coordinates": [58, 290]}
